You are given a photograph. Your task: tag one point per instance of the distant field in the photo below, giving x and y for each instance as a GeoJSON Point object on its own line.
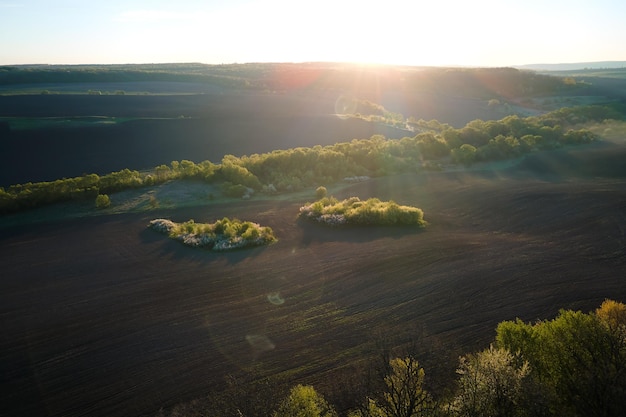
{"type": "Point", "coordinates": [111, 88]}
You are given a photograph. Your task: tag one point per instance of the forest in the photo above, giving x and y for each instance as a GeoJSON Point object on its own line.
{"type": "Point", "coordinates": [286, 77]}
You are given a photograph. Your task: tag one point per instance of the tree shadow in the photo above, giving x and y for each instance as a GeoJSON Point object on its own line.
{"type": "Point", "coordinates": [176, 250]}
{"type": "Point", "coordinates": [320, 233]}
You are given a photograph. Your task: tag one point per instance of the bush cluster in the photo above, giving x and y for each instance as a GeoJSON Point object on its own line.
{"type": "Point", "coordinates": [224, 234]}
{"type": "Point", "coordinates": [333, 212]}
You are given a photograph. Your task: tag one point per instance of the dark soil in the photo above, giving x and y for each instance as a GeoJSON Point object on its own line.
{"type": "Point", "coordinates": [102, 316]}
{"type": "Point", "coordinates": [213, 125]}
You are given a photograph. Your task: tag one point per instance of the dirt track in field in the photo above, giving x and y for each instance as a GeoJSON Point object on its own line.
{"type": "Point", "coordinates": [101, 316]}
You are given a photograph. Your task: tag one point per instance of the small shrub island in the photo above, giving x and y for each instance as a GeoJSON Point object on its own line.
{"type": "Point", "coordinates": [223, 235]}
{"type": "Point", "coordinates": [353, 211]}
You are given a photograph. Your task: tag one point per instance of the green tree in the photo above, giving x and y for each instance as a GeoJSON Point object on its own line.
{"type": "Point", "coordinates": [431, 146]}
{"type": "Point", "coordinates": [579, 359]}
{"type": "Point", "coordinates": [474, 135]}
{"type": "Point", "coordinates": [234, 190]}
{"type": "Point", "coordinates": [371, 409]}
{"type": "Point", "coordinates": [465, 155]}
{"type": "Point", "coordinates": [613, 315]}
{"type": "Point", "coordinates": [321, 192]}
{"type": "Point", "coordinates": [237, 174]}
{"type": "Point", "coordinates": [304, 401]}
{"type": "Point", "coordinates": [188, 169]}
{"type": "Point", "coordinates": [491, 383]}
{"type": "Point", "coordinates": [163, 173]}
{"type": "Point", "coordinates": [405, 395]}
{"type": "Point", "coordinates": [103, 201]}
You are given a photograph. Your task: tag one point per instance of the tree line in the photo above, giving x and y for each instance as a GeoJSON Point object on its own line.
{"type": "Point", "coordinates": [573, 365]}
{"type": "Point", "coordinates": [469, 82]}
{"type": "Point", "coordinates": [297, 168]}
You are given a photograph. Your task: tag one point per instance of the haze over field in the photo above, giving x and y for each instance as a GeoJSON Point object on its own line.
{"type": "Point", "coordinates": [447, 32]}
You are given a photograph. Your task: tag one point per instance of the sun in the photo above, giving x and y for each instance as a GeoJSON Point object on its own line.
{"type": "Point", "coordinates": [398, 32]}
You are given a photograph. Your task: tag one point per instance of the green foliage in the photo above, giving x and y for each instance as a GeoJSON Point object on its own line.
{"type": "Point", "coordinates": [234, 190]}
{"type": "Point", "coordinates": [232, 171]}
{"type": "Point", "coordinates": [613, 315]}
{"type": "Point", "coordinates": [405, 395]}
{"type": "Point", "coordinates": [431, 147]}
{"type": "Point", "coordinates": [330, 211]}
{"type": "Point", "coordinates": [120, 180]}
{"type": "Point", "coordinates": [304, 401]}
{"type": "Point", "coordinates": [466, 155]}
{"type": "Point", "coordinates": [579, 359]}
{"type": "Point", "coordinates": [491, 383]}
{"type": "Point", "coordinates": [102, 201]}
{"type": "Point", "coordinates": [224, 234]}
{"type": "Point", "coordinates": [371, 409]}
{"type": "Point", "coordinates": [321, 192]}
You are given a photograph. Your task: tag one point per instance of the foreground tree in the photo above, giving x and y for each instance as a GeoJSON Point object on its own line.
{"type": "Point", "coordinates": [491, 383]}
{"type": "Point", "coordinates": [304, 401]}
{"type": "Point", "coordinates": [579, 359]}
{"type": "Point", "coordinates": [404, 395]}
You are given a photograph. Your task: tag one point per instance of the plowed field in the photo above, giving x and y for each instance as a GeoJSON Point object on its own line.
{"type": "Point", "coordinates": [101, 316]}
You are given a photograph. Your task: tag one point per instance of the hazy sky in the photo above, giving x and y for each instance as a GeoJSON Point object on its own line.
{"type": "Point", "coordinates": [411, 32]}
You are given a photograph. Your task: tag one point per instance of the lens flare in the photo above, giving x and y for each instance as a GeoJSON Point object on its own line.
{"type": "Point", "coordinates": [345, 106]}
{"type": "Point", "coordinates": [260, 343]}
{"type": "Point", "coordinates": [275, 299]}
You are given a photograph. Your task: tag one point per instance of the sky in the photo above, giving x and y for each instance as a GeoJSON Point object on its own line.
{"type": "Point", "coordinates": [486, 33]}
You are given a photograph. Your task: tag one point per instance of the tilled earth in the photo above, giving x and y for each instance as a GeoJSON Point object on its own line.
{"type": "Point", "coordinates": [102, 316]}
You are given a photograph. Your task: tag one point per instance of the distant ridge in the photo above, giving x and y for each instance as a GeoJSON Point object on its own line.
{"type": "Point", "coordinates": [574, 66]}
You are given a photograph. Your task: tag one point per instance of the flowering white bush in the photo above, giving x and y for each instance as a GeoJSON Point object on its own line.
{"type": "Point", "coordinates": [360, 178]}
{"type": "Point", "coordinates": [222, 235]}
{"type": "Point", "coordinates": [196, 240]}
{"type": "Point", "coordinates": [332, 219]}
{"type": "Point", "coordinates": [332, 212]}
{"type": "Point", "coordinates": [229, 244]}
{"type": "Point", "coordinates": [162, 225]}
{"type": "Point", "coordinates": [307, 211]}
